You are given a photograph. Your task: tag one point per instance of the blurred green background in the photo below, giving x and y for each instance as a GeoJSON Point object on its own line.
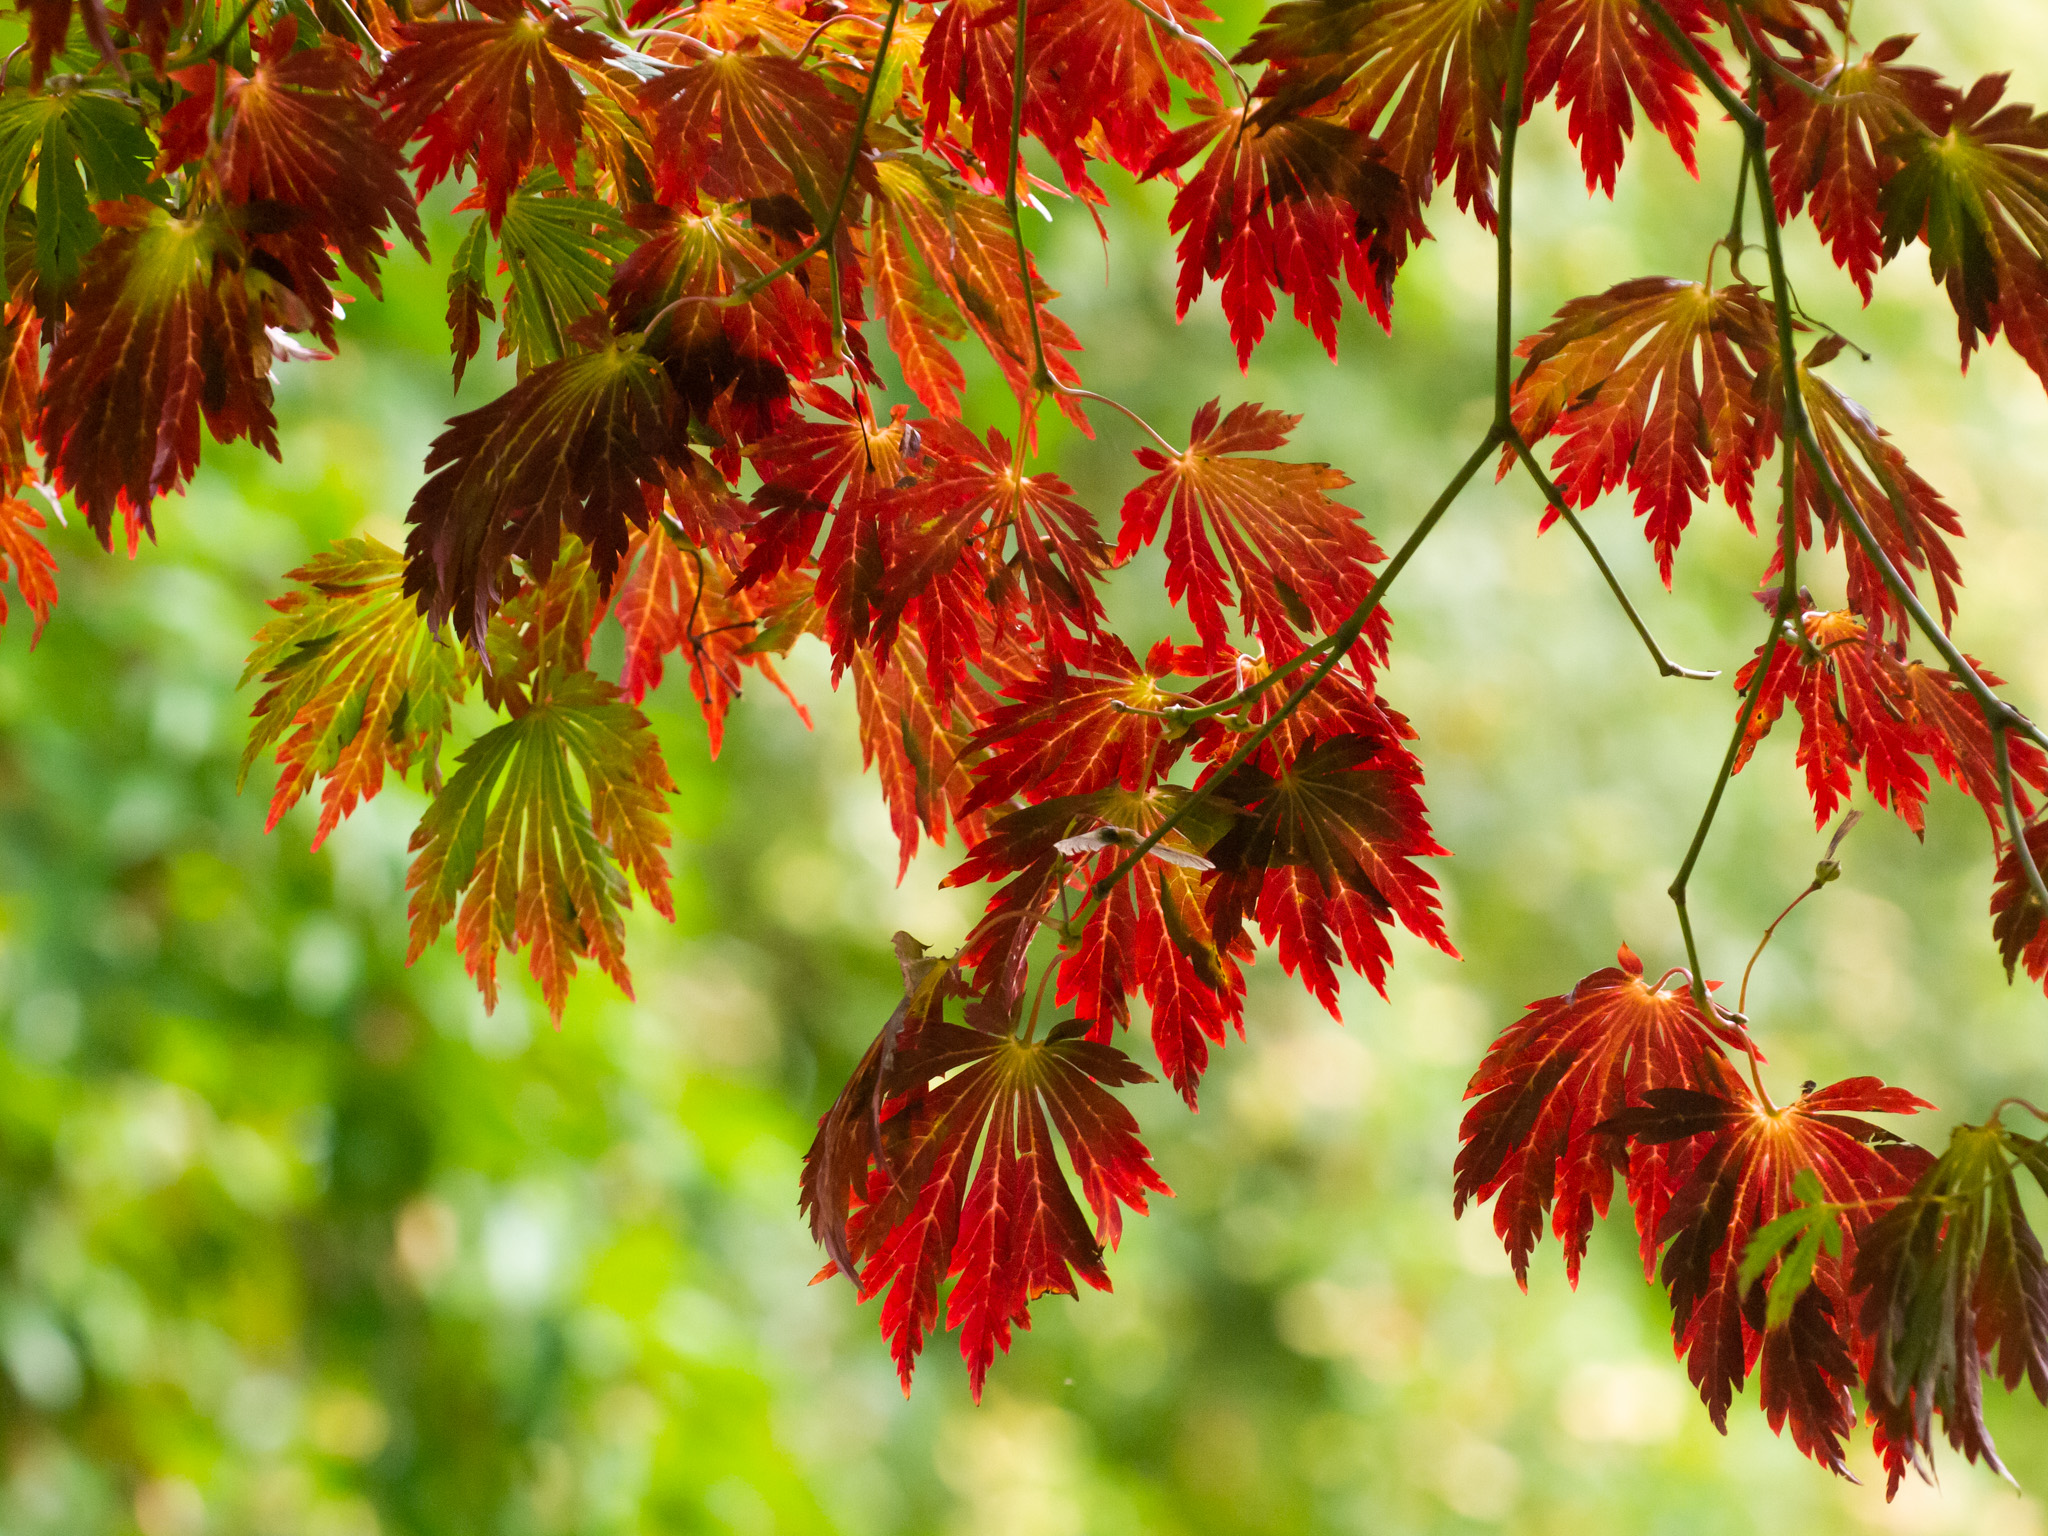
{"type": "Point", "coordinates": [296, 1240]}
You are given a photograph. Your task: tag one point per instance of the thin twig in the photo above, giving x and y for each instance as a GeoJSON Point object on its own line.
{"type": "Point", "coordinates": [2014, 1101]}
{"type": "Point", "coordinates": [1563, 509]}
{"type": "Point", "coordinates": [1075, 392]}
{"type": "Point", "coordinates": [1504, 225]}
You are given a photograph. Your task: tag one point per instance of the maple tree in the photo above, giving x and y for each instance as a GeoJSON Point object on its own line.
{"type": "Point", "coordinates": [695, 229]}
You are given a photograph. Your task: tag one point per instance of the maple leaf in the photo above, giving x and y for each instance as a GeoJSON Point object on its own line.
{"type": "Point", "coordinates": [1906, 515]}
{"type": "Point", "coordinates": [1853, 712]}
{"type": "Point", "coordinates": [1426, 75]}
{"type": "Point", "coordinates": [1650, 383]}
{"type": "Point", "coordinates": [918, 743]}
{"type": "Point", "coordinates": [162, 332]}
{"type": "Point", "coordinates": [560, 254]}
{"type": "Point", "coordinates": [574, 447]}
{"type": "Point", "coordinates": [1597, 54]}
{"type": "Point", "coordinates": [356, 677]}
{"type": "Point", "coordinates": [963, 241]}
{"type": "Point", "coordinates": [1977, 195]}
{"type": "Point", "coordinates": [849, 1137]}
{"type": "Point", "coordinates": [1742, 1177]}
{"type": "Point", "coordinates": [676, 599]}
{"type": "Point", "coordinates": [1565, 1068]}
{"type": "Point", "coordinates": [469, 303]}
{"type": "Point", "coordinates": [1324, 853]}
{"type": "Point", "coordinates": [494, 94]}
{"type": "Point", "coordinates": [1286, 205]}
{"type": "Point", "coordinates": [1147, 935]}
{"type": "Point", "coordinates": [742, 126]}
{"type": "Point", "coordinates": [2018, 923]}
{"type": "Point", "coordinates": [963, 507]}
{"type": "Point", "coordinates": [34, 567]}
{"type": "Point", "coordinates": [1860, 704]}
{"type": "Point", "coordinates": [303, 149]}
{"type": "Point", "coordinates": [1102, 71]}
{"type": "Point", "coordinates": [510, 840]}
{"type": "Point", "coordinates": [1954, 737]}
{"type": "Point", "coordinates": [1076, 729]}
{"type": "Point", "coordinates": [150, 22]}
{"type": "Point", "coordinates": [1947, 1276]}
{"type": "Point", "coordinates": [64, 131]}
{"type": "Point", "coordinates": [1300, 562]}
{"type": "Point", "coordinates": [974, 1192]}
{"type": "Point", "coordinates": [1838, 145]}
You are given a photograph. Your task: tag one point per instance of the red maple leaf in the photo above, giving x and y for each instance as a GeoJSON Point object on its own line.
{"type": "Point", "coordinates": [1075, 729]}
{"type": "Point", "coordinates": [1861, 705]}
{"type": "Point", "coordinates": [972, 1191]}
{"type": "Point", "coordinates": [968, 511]}
{"type": "Point", "coordinates": [1597, 54]}
{"type": "Point", "coordinates": [742, 126]}
{"type": "Point", "coordinates": [1426, 75]}
{"type": "Point", "coordinates": [35, 568]}
{"type": "Point", "coordinates": [496, 94]}
{"type": "Point", "coordinates": [1286, 205]}
{"type": "Point", "coordinates": [1744, 1158]}
{"type": "Point", "coordinates": [303, 146]}
{"type": "Point", "coordinates": [918, 743]}
{"type": "Point", "coordinates": [1651, 382]}
{"type": "Point", "coordinates": [678, 601]}
{"type": "Point", "coordinates": [2017, 920]}
{"type": "Point", "coordinates": [1565, 1068]}
{"type": "Point", "coordinates": [1299, 561]}
{"type": "Point", "coordinates": [962, 240]}
{"type": "Point", "coordinates": [1954, 737]}
{"type": "Point", "coordinates": [1102, 74]}
{"type": "Point", "coordinates": [1323, 853]}
{"type": "Point", "coordinates": [164, 329]}
{"type": "Point", "coordinates": [1149, 934]}
{"type": "Point", "coordinates": [1837, 145]}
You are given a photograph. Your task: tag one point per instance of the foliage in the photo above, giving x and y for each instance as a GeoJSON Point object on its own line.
{"type": "Point", "coordinates": [697, 222]}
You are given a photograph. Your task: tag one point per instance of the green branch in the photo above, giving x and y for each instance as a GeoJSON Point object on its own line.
{"type": "Point", "coordinates": [1563, 509]}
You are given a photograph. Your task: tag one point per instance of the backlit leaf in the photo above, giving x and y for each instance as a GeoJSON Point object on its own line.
{"type": "Point", "coordinates": [1948, 1276]}
{"type": "Point", "coordinates": [1565, 1068]}
{"type": "Point", "coordinates": [520, 853]}
{"type": "Point", "coordinates": [357, 679]}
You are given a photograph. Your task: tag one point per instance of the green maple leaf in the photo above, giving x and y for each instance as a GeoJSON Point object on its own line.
{"type": "Point", "coordinates": [511, 851]}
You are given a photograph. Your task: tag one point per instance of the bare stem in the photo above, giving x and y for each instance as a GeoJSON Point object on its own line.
{"type": "Point", "coordinates": [1742, 997]}
{"type": "Point", "coordinates": [1563, 509]}
{"type": "Point", "coordinates": [2014, 1101]}
{"type": "Point", "coordinates": [1504, 228]}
